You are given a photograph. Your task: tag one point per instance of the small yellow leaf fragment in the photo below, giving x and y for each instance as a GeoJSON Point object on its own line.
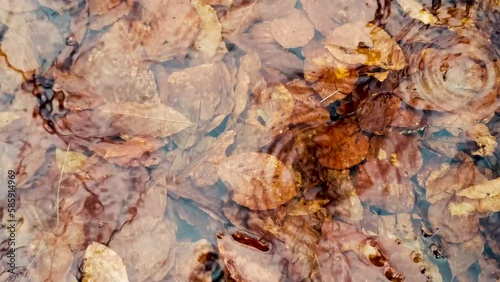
{"type": "Point", "coordinates": [417, 11]}
{"type": "Point", "coordinates": [485, 141]}
{"type": "Point", "coordinates": [304, 208]}
{"type": "Point", "coordinates": [74, 160]}
{"type": "Point", "coordinates": [102, 264]}
{"type": "Point", "coordinates": [460, 209]}
{"type": "Point", "coordinates": [484, 190]}
{"type": "Point", "coordinates": [490, 204]}
{"type": "Point", "coordinates": [7, 117]}
{"type": "Point", "coordinates": [382, 155]}
{"type": "Point", "coordinates": [211, 33]}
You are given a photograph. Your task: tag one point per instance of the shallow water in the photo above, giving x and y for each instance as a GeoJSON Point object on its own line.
{"type": "Point", "coordinates": [235, 140]}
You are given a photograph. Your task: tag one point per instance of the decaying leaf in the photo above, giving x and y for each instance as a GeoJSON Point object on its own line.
{"type": "Point", "coordinates": [258, 181]}
{"type": "Point", "coordinates": [293, 30]}
{"type": "Point", "coordinates": [195, 261]}
{"type": "Point", "coordinates": [485, 141]}
{"type": "Point", "coordinates": [462, 256]}
{"type": "Point", "coordinates": [145, 120]}
{"type": "Point", "coordinates": [145, 245]}
{"type": "Point", "coordinates": [366, 44]}
{"type": "Point", "coordinates": [488, 194]}
{"type": "Point", "coordinates": [103, 264]}
{"type": "Point", "coordinates": [341, 146]}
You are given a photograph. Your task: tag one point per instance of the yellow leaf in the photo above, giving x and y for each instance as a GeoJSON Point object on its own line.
{"type": "Point", "coordinates": [211, 32]}
{"type": "Point", "coordinates": [417, 11]}
{"type": "Point", "coordinates": [73, 161]}
{"type": "Point", "coordinates": [102, 264]}
{"type": "Point", "coordinates": [490, 204]}
{"type": "Point", "coordinates": [459, 209]}
{"type": "Point", "coordinates": [484, 190]}
{"type": "Point", "coordinates": [485, 141]}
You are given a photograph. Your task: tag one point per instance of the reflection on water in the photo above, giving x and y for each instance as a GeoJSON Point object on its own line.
{"type": "Point", "coordinates": [231, 140]}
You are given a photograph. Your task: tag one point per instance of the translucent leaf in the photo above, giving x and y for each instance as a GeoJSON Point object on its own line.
{"type": "Point", "coordinates": [210, 35]}
{"type": "Point", "coordinates": [258, 181]}
{"type": "Point", "coordinates": [69, 161]}
{"type": "Point", "coordinates": [103, 264]}
{"type": "Point", "coordinates": [145, 120]}
{"type": "Point", "coordinates": [293, 30]}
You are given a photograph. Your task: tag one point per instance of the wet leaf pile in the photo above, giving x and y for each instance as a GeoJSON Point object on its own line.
{"type": "Point", "coordinates": [250, 140]}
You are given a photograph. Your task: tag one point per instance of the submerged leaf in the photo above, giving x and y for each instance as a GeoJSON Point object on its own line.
{"type": "Point", "coordinates": [210, 33]}
{"type": "Point", "coordinates": [293, 30]}
{"type": "Point", "coordinates": [145, 120]}
{"type": "Point", "coordinates": [366, 44]}
{"type": "Point", "coordinates": [103, 264]}
{"type": "Point", "coordinates": [258, 181]}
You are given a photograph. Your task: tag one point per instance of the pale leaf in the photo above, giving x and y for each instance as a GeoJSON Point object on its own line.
{"type": "Point", "coordinates": [210, 34]}
{"type": "Point", "coordinates": [102, 264]}
{"type": "Point", "coordinates": [483, 190]}
{"type": "Point", "coordinates": [416, 10]}
{"type": "Point", "coordinates": [258, 181]}
{"type": "Point", "coordinates": [69, 161]}
{"type": "Point", "coordinates": [146, 120]}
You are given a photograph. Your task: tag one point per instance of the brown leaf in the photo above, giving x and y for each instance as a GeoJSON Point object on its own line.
{"type": "Point", "coordinates": [307, 104]}
{"type": "Point", "coordinates": [331, 78]}
{"type": "Point", "coordinates": [194, 261]}
{"type": "Point", "coordinates": [462, 256]}
{"type": "Point", "coordinates": [381, 184]}
{"type": "Point", "coordinates": [400, 150]}
{"type": "Point", "coordinates": [379, 112]}
{"type": "Point", "coordinates": [258, 181]}
{"type": "Point", "coordinates": [249, 80]}
{"type": "Point", "coordinates": [452, 228]}
{"type": "Point", "coordinates": [107, 12]}
{"type": "Point", "coordinates": [138, 244]}
{"type": "Point", "coordinates": [293, 30]}
{"type": "Point", "coordinates": [127, 152]}
{"type": "Point", "coordinates": [370, 46]}
{"type": "Point", "coordinates": [171, 31]}
{"type": "Point", "coordinates": [449, 179]}
{"type": "Point", "coordinates": [145, 120]}
{"type": "Point", "coordinates": [342, 146]}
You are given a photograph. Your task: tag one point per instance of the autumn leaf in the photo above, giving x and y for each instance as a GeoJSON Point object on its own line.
{"type": "Point", "coordinates": [28, 40]}
{"type": "Point", "coordinates": [258, 181]}
{"type": "Point", "coordinates": [145, 246]}
{"type": "Point", "coordinates": [70, 161]}
{"type": "Point", "coordinates": [103, 264]}
{"type": "Point", "coordinates": [342, 146]}
{"type": "Point", "coordinates": [145, 120]}
{"type": "Point", "coordinates": [416, 10]}
{"type": "Point", "coordinates": [293, 30]}
{"type": "Point", "coordinates": [370, 46]}
{"type": "Point", "coordinates": [210, 33]}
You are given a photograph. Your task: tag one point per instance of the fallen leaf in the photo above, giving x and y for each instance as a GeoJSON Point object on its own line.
{"type": "Point", "coordinates": [145, 245]}
{"type": "Point", "coordinates": [366, 44]}
{"type": "Point", "coordinates": [16, 6]}
{"type": "Point", "coordinates": [258, 181]}
{"type": "Point", "coordinates": [145, 120]}
{"type": "Point", "coordinates": [196, 261]}
{"type": "Point", "coordinates": [327, 15]}
{"type": "Point", "coordinates": [210, 34]}
{"type": "Point", "coordinates": [249, 80]}
{"type": "Point", "coordinates": [416, 10]}
{"type": "Point", "coordinates": [462, 256]}
{"type": "Point", "coordinates": [448, 179]}
{"type": "Point", "coordinates": [69, 161]}
{"type": "Point", "coordinates": [485, 141]}
{"type": "Point", "coordinates": [127, 152]}
{"type": "Point", "coordinates": [245, 262]}
{"type": "Point", "coordinates": [379, 112]}
{"type": "Point", "coordinates": [307, 104]}
{"type": "Point", "coordinates": [331, 78]}
{"type": "Point", "coordinates": [342, 146]}
{"type": "Point", "coordinates": [28, 40]}
{"type": "Point", "coordinates": [107, 12]}
{"type": "Point", "coordinates": [293, 30]}
{"type": "Point", "coordinates": [103, 264]}
{"type": "Point", "coordinates": [452, 228]}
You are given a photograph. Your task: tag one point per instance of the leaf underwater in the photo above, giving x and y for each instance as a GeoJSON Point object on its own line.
{"type": "Point", "coordinates": [103, 264]}
{"type": "Point", "coordinates": [146, 120]}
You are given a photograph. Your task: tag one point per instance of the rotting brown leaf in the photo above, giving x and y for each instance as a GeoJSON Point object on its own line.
{"type": "Point", "coordinates": [258, 181]}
